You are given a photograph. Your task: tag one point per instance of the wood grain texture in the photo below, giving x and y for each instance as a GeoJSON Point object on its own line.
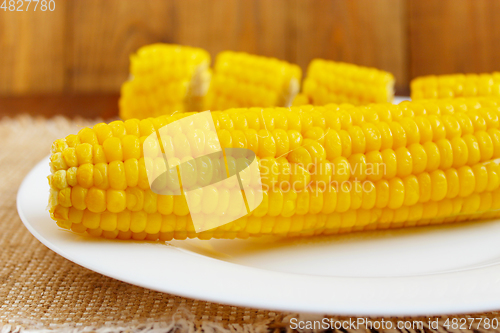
{"type": "Point", "coordinates": [32, 50]}
{"type": "Point", "coordinates": [454, 36]}
{"type": "Point", "coordinates": [104, 33]}
{"type": "Point", "coordinates": [255, 26]}
{"type": "Point", "coordinates": [363, 32]}
{"type": "Point", "coordinates": [103, 106]}
{"type": "Point", "coordinates": [84, 45]}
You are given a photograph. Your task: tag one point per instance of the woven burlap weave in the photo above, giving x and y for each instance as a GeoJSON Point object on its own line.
{"type": "Point", "coordinates": [41, 290]}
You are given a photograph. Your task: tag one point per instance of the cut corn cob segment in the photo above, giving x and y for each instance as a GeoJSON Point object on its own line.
{"type": "Point", "coordinates": [244, 80]}
{"type": "Point", "coordinates": [455, 85]}
{"type": "Point", "coordinates": [165, 79]}
{"type": "Point", "coordinates": [323, 170]}
{"type": "Point", "coordinates": [336, 82]}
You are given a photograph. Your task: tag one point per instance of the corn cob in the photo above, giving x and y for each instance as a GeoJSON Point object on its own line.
{"type": "Point", "coordinates": [245, 80]}
{"type": "Point", "coordinates": [438, 158]}
{"type": "Point", "coordinates": [336, 82]}
{"type": "Point", "coordinates": [165, 79]}
{"type": "Point", "coordinates": [455, 85]}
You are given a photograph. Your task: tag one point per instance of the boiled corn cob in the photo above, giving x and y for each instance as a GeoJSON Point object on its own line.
{"type": "Point", "coordinates": [415, 163]}
{"type": "Point", "coordinates": [455, 85]}
{"type": "Point", "coordinates": [336, 82]}
{"type": "Point", "coordinates": [244, 80]}
{"type": "Point", "coordinates": [165, 79]}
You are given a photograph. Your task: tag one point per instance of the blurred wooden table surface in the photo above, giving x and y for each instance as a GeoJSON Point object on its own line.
{"type": "Point", "coordinates": [104, 106]}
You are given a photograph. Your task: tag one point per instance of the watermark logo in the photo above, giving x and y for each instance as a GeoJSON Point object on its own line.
{"type": "Point", "coordinates": [185, 158]}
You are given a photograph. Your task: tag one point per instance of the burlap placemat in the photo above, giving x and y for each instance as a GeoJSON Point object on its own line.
{"type": "Point", "coordinates": [40, 290]}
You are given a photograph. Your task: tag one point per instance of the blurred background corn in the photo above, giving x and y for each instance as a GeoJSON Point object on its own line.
{"type": "Point", "coordinates": [301, 99]}
{"type": "Point", "coordinates": [455, 85]}
{"type": "Point", "coordinates": [337, 82]}
{"type": "Point", "coordinates": [324, 170]}
{"type": "Point", "coordinates": [245, 80]}
{"type": "Point", "coordinates": [165, 79]}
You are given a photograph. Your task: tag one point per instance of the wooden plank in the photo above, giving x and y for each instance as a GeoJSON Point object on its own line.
{"type": "Point", "coordinates": [207, 24]}
{"type": "Point", "coordinates": [86, 47]}
{"type": "Point", "coordinates": [255, 26]}
{"type": "Point", "coordinates": [103, 35]}
{"type": "Point", "coordinates": [363, 32]}
{"type": "Point", "coordinates": [454, 36]}
{"type": "Point", "coordinates": [32, 50]}
{"type": "Point", "coordinates": [92, 106]}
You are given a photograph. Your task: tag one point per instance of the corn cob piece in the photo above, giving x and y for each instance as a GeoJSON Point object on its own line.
{"type": "Point", "coordinates": [165, 79]}
{"type": "Point", "coordinates": [245, 80]}
{"type": "Point", "coordinates": [336, 82]}
{"type": "Point", "coordinates": [455, 85]}
{"type": "Point", "coordinates": [324, 170]}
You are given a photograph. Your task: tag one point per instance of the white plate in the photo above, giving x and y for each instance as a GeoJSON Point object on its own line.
{"type": "Point", "coordinates": [431, 270]}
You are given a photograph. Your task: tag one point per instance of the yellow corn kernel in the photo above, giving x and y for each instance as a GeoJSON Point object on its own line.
{"type": "Point", "coordinates": [84, 153]}
{"type": "Point", "coordinates": [96, 200]}
{"type": "Point", "coordinates": [101, 176]}
{"type": "Point", "coordinates": [59, 180]}
{"type": "Point", "coordinates": [69, 155]}
{"type": "Point", "coordinates": [108, 221]}
{"type": "Point", "coordinates": [153, 223]}
{"type": "Point", "coordinates": [87, 135]}
{"type": "Point", "coordinates": [72, 140]}
{"type": "Point", "coordinates": [64, 197]}
{"type": "Point", "coordinates": [85, 175]}
{"type": "Point", "coordinates": [116, 200]}
{"type": "Point", "coordinates": [138, 221]}
{"type": "Point", "coordinates": [123, 221]}
{"type": "Point", "coordinates": [113, 149]}
{"type": "Point", "coordinates": [117, 178]}
{"type": "Point", "coordinates": [91, 220]}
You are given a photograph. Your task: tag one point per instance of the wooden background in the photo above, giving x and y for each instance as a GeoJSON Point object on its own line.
{"type": "Point", "coordinates": [83, 46]}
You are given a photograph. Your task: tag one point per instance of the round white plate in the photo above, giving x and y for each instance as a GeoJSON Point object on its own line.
{"type": "Point", "coordinates": [427, 270]}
